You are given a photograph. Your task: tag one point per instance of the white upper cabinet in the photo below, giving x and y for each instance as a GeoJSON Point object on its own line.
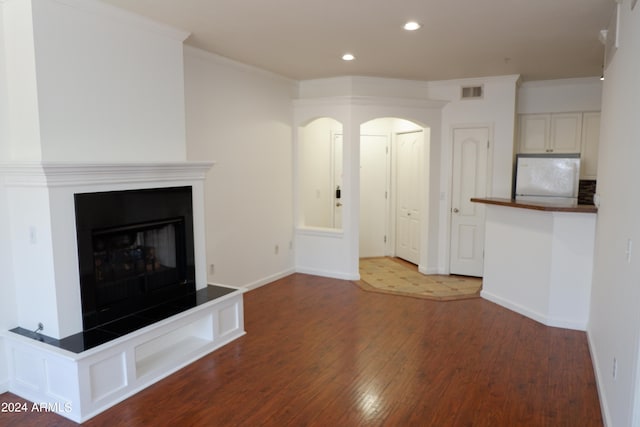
{"type": "Point", "coordinates": [562, 133]}
{"type": "Point", "coordinates": [534, 133]}
{"type": "Point", "coordinates": [566, 131]}
{"type": "Point", "coordinates": [590, 141]}
{"type": "Point", "coordinates": [550, 133]}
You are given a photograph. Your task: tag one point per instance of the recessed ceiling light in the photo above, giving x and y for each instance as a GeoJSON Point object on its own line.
{"type": "Point", "coordinates": [348, 57]}
{"type": "Point", "coordinates": [412, 26]}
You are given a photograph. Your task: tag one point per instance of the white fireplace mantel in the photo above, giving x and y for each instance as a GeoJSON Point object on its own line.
{"type": "Point", "coordinates": [55, 174]}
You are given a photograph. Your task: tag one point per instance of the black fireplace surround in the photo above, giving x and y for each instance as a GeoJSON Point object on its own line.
{"type": "Point", "coordinates": [136, 262]}
{"type": "Point", "coordinates": [135, 251]}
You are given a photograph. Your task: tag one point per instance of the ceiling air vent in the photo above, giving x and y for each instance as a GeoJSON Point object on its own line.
{"type": "Point", "coordinates": [471, 92]}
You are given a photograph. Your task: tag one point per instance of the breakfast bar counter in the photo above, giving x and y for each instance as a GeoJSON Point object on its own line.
{"type": "Point", "coordinates": [538, 259]}
{"type": "Point", "coordinates": [538, 206]}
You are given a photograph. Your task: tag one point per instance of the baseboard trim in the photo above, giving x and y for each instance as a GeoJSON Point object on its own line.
{"type": "Point", "coordinates": [538, 317]}
{"type": "Point", "coordinates": [429, 271]}
{"type": "Point", "coordinates": [260, 282]}
{"type": "Point", "coordinates": [327, 273]}
{"type": "Point", "coordinates": [4, 386]}
{"type": "Point", "coordinates": [604, 407]}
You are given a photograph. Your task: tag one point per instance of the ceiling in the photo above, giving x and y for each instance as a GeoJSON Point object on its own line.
{"type": "Point", "coordinates": [303, 39]}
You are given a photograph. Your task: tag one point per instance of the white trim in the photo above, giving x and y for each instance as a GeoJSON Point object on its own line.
{"type": "Point", "coordinates": [61, 174]}
{"type": "Point", "coordinates": [320, 232]}
{"type": "Point", "coordinates": [261, 282]}
{"type": "Point", "coordinates": [538, 317]}
{"type": "Point", "coordinates": [227, 62]}
{"type": "Point", "coordinates": [387, 102]}
{"type": "Point", "coordinates": [604, 407]}
{"type": "Point", "coordinates": [327, 273]}
{"type": "Point", "coordinates": [475, 80]}
{"type": "Point", "coordinates": [428, 271]}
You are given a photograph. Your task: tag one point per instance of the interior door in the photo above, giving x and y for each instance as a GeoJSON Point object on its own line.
{"type": "Point", "coordinates": [408, 186]}
{"type": "Point", "coordinates": [470, 152]}
{"type": "Point", "coordinates": [374, 190]}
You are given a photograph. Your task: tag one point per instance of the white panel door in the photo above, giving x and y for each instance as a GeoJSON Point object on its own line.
{"type": "Point", "coordinates": [409, 163]}
{"type": "Point", "coordinates": [374, 186]}
{"type": "Point", "coordinates": [470, 149]}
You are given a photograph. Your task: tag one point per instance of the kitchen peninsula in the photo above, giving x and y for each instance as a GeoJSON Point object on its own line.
{"type": "Point", "coordinates": [538, 259]}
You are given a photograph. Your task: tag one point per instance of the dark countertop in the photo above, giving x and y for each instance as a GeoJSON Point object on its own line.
{"type": "Point", "coordinates": [548, 207]}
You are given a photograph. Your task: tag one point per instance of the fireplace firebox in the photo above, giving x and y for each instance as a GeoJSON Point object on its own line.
{"type": "Point", "coordinates": [135, 251]}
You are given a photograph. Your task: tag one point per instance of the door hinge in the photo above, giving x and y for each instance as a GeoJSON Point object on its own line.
{"type": "Point", "coordinates": [487, 144]}
{"type": "Point", "coordinates": [385, 239]}
{"type": "Point", "coordinates": [386, 149]}
{"type": "Point", "coordinates": [386, 194]}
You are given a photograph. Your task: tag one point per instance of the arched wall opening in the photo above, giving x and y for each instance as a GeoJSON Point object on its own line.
{"type": "Point", "coordinates": [320, 166]}
{"type": "Point", "coordinates": [394, 184]}
{"type": "Point", "coordinates": [335, 252]}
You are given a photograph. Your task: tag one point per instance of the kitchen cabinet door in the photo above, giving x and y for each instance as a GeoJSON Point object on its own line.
{"type": "Point", "coordinates": [590, 142]}
{"type": "Point", "coordinates": [566, 131]}
{"type": "Point", "coordinates": [534, 133]}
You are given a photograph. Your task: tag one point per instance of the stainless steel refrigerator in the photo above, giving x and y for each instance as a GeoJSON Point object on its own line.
{"type": "Point", "coordinates": [547, 178]}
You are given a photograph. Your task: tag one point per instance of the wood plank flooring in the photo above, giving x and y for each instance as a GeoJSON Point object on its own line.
{"type": "Point", "coordinates": [321, 352]}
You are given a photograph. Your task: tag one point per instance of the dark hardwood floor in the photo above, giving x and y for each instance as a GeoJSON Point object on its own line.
{"type": "Point", "coordinates": [322, 352]}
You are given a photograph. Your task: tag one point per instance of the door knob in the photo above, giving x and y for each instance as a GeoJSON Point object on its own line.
{"type": "Point", "coordinates": [338, 204]}
{"type": "Point", "coordinates": [455, 210]}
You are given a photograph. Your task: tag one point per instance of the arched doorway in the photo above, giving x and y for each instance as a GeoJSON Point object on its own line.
{"type": "Point", "coordinates": [393, 188]}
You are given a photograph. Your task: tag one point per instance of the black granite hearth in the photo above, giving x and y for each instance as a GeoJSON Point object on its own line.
{"type": "Point", "coordinates": [102, 334]}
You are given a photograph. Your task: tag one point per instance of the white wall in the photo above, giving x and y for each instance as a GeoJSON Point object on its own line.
{"type": "Point", "coordinates": [110, 85]}
{"type": "Point", "coordinates": [85, 82]}
{"type": "Point", "coordinates": [614, 327]}
{"type": "Point", "coordinates": [23, 134]}
{"type": "Point", "coordinates": [7, 292]}
{"type": "Point", "coordinates": [555, 96]}
{"type": "Point", "coordinates": [497, 111]}
{"type": "Point", "coordinates": [240, 117]}
{"type": "Point", "coordinates": [8, 314]}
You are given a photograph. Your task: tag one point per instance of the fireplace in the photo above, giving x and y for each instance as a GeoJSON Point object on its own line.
{"type": "Point", "coordinates": [135, 251]}
{"type": "Point", "coordinates": [139, 248]}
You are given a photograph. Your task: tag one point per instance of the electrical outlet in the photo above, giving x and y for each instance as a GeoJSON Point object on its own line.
{"type": "Point", "coordinates": [212, 268]}
{"type": "Point", "coordinates": [614, 371]}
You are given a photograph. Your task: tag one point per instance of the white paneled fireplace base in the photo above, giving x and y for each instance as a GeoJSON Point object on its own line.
{"type": "Point", "coordinates": [80, 386]}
